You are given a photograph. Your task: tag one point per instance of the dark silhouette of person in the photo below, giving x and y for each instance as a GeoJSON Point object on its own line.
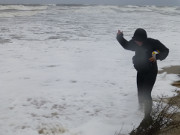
{"type": "Point", "coordinates": [145, 63]}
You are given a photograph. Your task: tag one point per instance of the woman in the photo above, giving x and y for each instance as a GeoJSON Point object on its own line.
{"type": "Point", "coordinates": [145, 63]}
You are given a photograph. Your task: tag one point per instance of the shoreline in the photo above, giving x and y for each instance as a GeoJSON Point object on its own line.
{"type": "Point", "coordinates": [173, 70]}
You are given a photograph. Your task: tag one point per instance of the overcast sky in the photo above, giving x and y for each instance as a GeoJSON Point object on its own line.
{"type": "Point", "coordinates": [112, 2]}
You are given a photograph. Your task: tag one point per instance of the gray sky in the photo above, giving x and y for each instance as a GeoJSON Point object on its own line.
{"type": "Point", "coordinates": [112, 2]}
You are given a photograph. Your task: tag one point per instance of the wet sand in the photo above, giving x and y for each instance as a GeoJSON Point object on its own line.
{"type": "Point", "coordinates": [173, 70]}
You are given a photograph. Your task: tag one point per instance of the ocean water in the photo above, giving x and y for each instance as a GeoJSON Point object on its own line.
{"type": "Point", "coordinates": [63, 72]}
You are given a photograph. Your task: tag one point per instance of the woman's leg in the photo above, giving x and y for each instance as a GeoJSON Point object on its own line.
{"type": "Point", "coordinates": [145, 83]}
{"type": "Point", "coordinates": [140, 80]}
{"type": "Point", "coordinates": [149, 81]}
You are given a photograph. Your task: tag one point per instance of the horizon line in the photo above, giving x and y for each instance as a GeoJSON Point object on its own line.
{"type": "Point", "coordinates": [70, 4]}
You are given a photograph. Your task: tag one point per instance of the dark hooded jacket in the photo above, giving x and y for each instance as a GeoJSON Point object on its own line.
{"type": "Point", "coordinates": [143, 53]}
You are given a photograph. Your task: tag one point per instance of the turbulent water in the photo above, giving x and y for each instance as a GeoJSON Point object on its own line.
{"type": "Point", "coordinates": [82, 22]}
{"type": "Point", "coordinates": [63, 72]}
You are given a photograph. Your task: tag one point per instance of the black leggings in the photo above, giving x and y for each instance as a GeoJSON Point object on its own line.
{"type": "Point", "coordinates": [145, 83]}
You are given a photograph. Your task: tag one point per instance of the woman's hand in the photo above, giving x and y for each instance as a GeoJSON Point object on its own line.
{"type": "Point", "coordinates": [152, 59]}
{"type": "Point", "coordinates": [119, 32]}
{"type": "Point", "coordinates": [119, 35]}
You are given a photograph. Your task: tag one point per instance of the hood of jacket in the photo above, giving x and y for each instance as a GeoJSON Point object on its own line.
{"type": "Point", "coordinates": [140, 35]}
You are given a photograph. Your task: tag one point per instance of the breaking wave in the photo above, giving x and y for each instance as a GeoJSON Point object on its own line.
{"type": "Point", "coordinates": [30, 10]}
{"type": "Point", "coordinates": [23, 7]}
{"type": "Point", "coordinates": [20, 10]}
{"type": "Point", "coordinates": [95, 9]}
